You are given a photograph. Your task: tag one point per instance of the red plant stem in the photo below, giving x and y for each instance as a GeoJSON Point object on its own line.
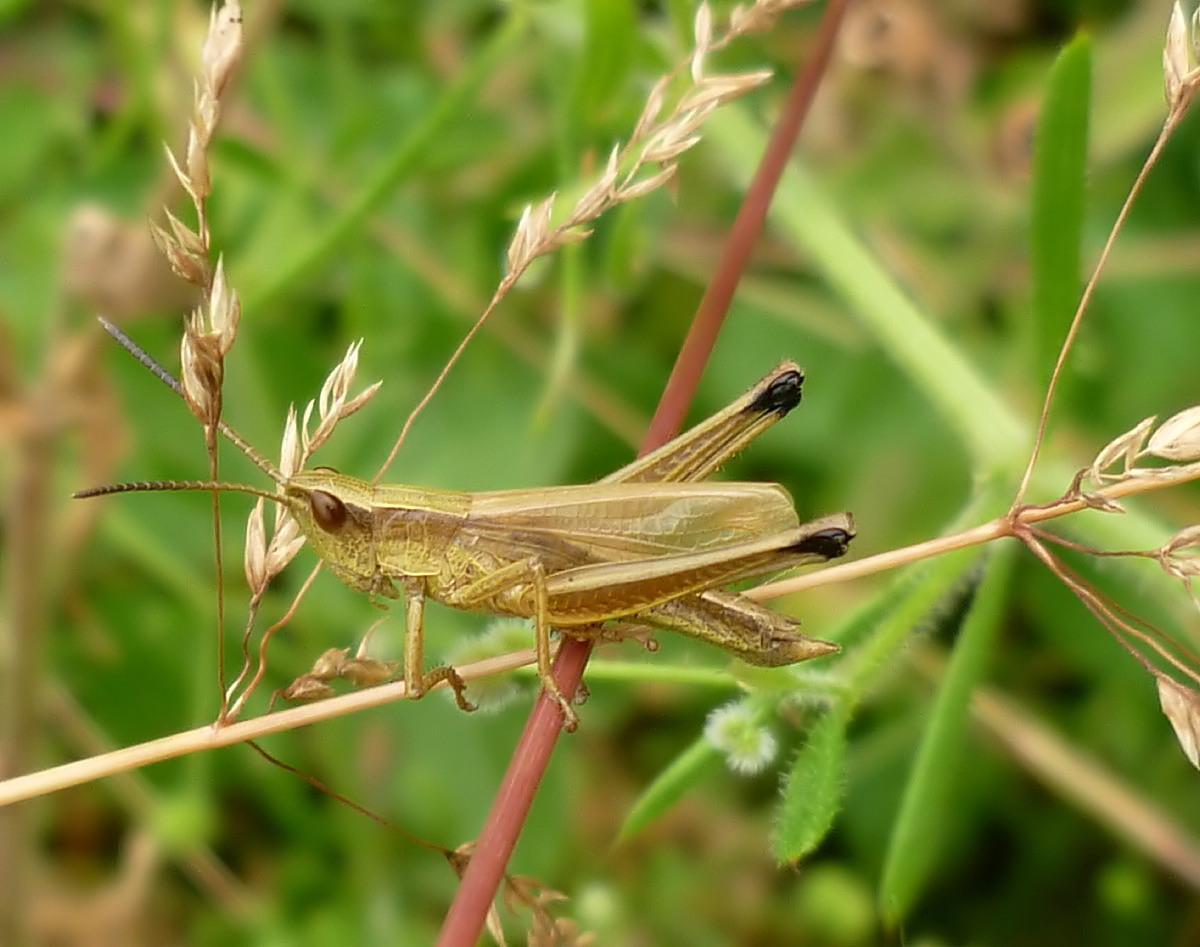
{"type": "Point", "coordinates": [468, 913]}
{"type": "Point", "coordinates": [710, 315]}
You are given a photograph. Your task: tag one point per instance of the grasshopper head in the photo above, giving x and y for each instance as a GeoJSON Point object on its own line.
{"type": "Point", "coordinates": [335, 513]}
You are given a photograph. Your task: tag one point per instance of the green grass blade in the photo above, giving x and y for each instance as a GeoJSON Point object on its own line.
{"type": "Point", "coordinates": [915, 836]}
{"type": "Point", "coordinates": [803, 213]}
{"type": "Point", "coordinates": [1059, 176]}
{"type": "Point", "coordinates": [685, 771]}
{"type": "Point", "coordinates": [610, 29]}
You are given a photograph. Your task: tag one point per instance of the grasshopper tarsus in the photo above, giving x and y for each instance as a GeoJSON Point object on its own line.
{"type": "Point", "coordinates": [570, 716]}
{"type": "Point", "coordinates": [444, 672]}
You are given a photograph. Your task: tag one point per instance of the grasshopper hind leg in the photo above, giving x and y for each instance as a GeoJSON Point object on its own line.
{"type": "Point", "coordinates": [738, 625]}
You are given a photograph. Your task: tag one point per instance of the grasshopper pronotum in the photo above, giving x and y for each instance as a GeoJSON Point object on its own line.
{"type": "Point", "coordinates": [644, 546]}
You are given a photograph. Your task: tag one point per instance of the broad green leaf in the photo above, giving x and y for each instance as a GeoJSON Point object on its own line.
{"type": "Point", "coordinates": [812, 791]}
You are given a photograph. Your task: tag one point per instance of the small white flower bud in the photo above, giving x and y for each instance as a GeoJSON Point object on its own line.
{"type": "Point", "coordinates": [735, 730]}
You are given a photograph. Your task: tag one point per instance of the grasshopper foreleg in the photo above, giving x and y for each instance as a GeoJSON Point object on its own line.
{"type": "Point", "coordinates": [416, 679]}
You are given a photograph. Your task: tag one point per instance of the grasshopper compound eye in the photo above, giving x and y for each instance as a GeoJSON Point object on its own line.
{"type": "Point", "coordinates": [327, 510]}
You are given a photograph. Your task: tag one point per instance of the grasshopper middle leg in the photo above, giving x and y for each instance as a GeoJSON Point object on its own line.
{"type": "Point", "coordinates": [525, 581]}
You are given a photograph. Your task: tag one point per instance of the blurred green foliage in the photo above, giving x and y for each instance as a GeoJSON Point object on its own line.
{"type": "Point", "coordinates": [372, 162]}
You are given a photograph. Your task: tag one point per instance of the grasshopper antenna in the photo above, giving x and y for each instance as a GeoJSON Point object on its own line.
{"type": "Point", "coordinates": [172, 486]}
{"type": "Point", "coordinates": [169, 380]}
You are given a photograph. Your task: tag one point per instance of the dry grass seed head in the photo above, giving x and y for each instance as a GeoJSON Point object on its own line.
{"type": "Point", "coordinates": [291, 455]}
{"type": "Point", "coordinates": [760, 17]}
{"type": "Point", "coordinates": [1181, 705]}
{"type": "Point", "coordinates": [255, 556]}
{"type": "Point", "coordinates": [1179, 76]}
{"type": "Point", "coordinates": [222, 49]}
{"type": "Point", "coordinates": [203, 372]}
{"type": "Point", "coordinates": [208, 336]}
{"type": "Point", "coordinates": [285, 543]}
{"type": "Point", "coordinates": [702, 32]}
{"type": "Point", "coordinates": [184, 250]}
{"type": "Point", "coordinates": [266, 559]}
{"type": "Point", "coordinates": [1126, 447]}
{"type": "Point", "coordinates": [632, 192]}
{"type": "Point", "coordinates": [219, 57]}
{"type": "Point", "coordinates": [1186, 540]}
{"type": "Point", "coordinates": [333, 403]}
{"type": "Point", "coordinates": [1178, 437]}
{"type": "Point", "coordinates": [1180, 555]}
{"type": "Point", "coordinates": [655, 140]}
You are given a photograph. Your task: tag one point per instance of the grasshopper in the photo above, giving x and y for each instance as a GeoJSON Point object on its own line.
{"type": "Point", "coordinates": [646, 546]}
